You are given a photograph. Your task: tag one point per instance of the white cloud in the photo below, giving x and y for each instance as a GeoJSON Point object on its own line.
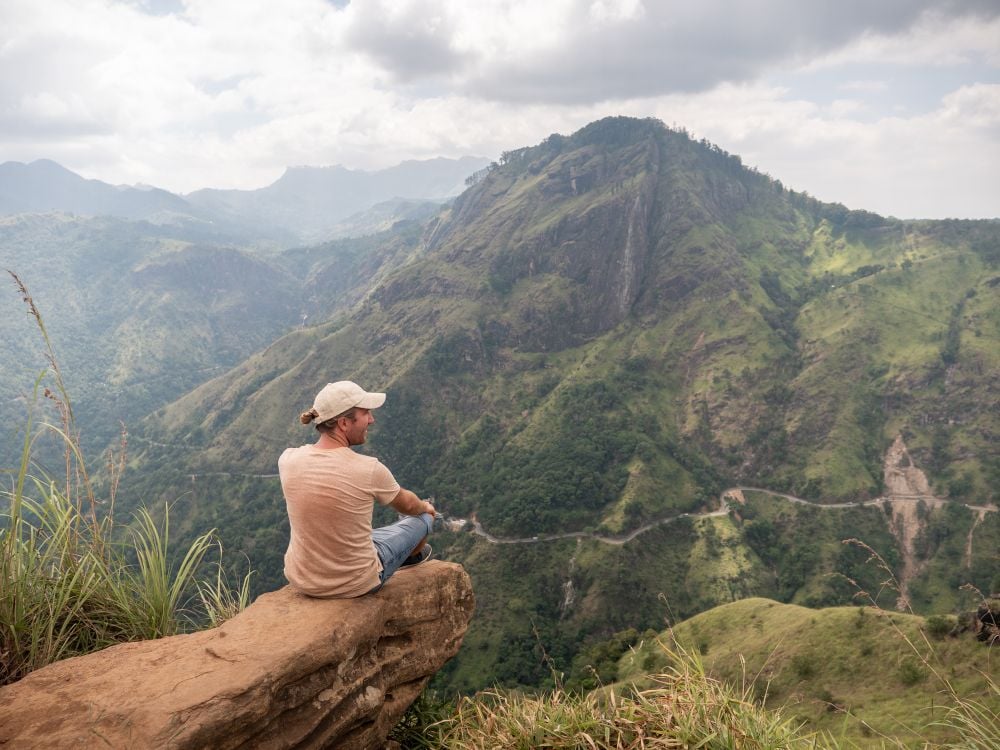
{"type": "Point", "coordinates": [939, 164]}
{"type": "Point", "coordinates": [937, 38]}
{"type": "Point", "coordinates": [605, 11]}
{"type": "Point", "coordinates": [867, 87]}
{"type": "Point", "coordinates": [226, 93]}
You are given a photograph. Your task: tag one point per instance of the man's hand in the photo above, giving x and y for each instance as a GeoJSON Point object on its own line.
{"type": "Point", "coordinates": [409, 504]}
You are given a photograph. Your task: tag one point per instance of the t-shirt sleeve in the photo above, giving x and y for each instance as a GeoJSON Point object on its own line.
{"type": "Point", "coordinates": [384, 484]}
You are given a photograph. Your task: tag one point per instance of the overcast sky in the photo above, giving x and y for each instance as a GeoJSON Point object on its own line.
{"type": "Point", "coordinates": [888, 105]}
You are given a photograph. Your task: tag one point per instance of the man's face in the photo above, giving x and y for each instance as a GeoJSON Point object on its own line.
{"type": "Point", "coordinates": [356, 430]}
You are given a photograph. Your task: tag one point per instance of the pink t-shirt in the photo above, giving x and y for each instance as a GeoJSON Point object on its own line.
{"type": "Point", "coordinates": [329, 494]}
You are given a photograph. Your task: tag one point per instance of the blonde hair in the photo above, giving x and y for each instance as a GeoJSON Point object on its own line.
{"type": "Point", "coordinates": [308, 416]}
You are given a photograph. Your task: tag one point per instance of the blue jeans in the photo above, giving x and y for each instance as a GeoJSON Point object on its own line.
{"type": "Point", "coordinates": [395, 542]}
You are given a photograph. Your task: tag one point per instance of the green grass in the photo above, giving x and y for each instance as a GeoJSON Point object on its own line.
{"type": "Point", "coordinates": [71, 582]}
{"type": "Point", "coordinates": [859, 673]}
{"type": "Point", "coordinates": [752, 674]}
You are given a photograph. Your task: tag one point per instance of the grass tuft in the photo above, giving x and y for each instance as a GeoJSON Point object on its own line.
{"type": "Point", "coordinates": [975, 721]}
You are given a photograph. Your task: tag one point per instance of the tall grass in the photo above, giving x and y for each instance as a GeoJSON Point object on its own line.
{"type": "Point", "coordinates": [70, 582]}
{"type": "Point", "coordinates": [685, 708]}
{"type": "Point", "coordinates": [975, 722]}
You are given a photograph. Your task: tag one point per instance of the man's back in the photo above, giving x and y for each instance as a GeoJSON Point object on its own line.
{"type": "Point", "coordinates": [329, 494]}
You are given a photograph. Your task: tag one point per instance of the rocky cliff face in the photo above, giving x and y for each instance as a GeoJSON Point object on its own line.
{"type": "Point", "coordinates": [289, 672]}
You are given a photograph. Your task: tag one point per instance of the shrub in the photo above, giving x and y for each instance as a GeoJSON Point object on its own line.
{"type": "Point", "coordinates": [910, 673]}
{"type": "Point", "coordinates": [804, 666]}
{"type": "Point", "coordinates": [938, 626]}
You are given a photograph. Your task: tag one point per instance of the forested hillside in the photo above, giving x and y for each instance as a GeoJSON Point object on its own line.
{"type": "Point", "coordinates": [139, 314]}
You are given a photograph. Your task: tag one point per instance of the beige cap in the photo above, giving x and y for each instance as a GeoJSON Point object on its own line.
{"type": "Point", "coordinates": [336, 398]}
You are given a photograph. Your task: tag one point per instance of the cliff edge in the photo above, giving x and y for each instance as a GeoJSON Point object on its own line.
{"type": "Point", "coordinates": [288, 672]}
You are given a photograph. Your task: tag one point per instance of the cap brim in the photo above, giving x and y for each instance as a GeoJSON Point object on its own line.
{"type": "Point", "coordinates": [372, 401]}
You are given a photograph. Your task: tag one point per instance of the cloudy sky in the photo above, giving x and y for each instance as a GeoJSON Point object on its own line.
{"type": "Point", "coordinates": [887, 105]}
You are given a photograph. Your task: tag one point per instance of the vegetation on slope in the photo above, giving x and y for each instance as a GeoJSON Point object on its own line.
{"type": "Point", "coordinates": [713, 682]}
{"type": "Point", "coordinates": [654, 284]}
{"type": "Point", "coordinates": [681, 707]}
{"type": "Point", "coordinates": [860, 673]}
{"type": "Point", "coordinates": [144, 313]}
{"type": "Point", "coordinates": [71, 581]}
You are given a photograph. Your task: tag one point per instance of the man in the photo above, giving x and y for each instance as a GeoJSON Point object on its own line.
{"type": "Point", "coordinates": [330, 493]}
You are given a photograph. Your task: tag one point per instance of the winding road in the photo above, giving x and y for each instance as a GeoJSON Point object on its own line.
{"type": "Point", "coordinates": [478, 529]}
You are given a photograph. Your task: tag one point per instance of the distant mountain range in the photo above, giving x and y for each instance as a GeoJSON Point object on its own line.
{"type": "Point", "coordinates": [306, 205]}
{"type": "Point", "coordinates": [146, 294]}
{"type": "Point", "coordinates": [312, 201]}
{"type": "Point", "coordinates": [44, 185]}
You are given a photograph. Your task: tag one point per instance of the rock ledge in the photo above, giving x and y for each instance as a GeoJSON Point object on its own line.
{"type": "Point", "coordinates": [288, 672]}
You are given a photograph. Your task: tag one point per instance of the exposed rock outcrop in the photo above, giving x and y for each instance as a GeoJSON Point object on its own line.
{"type": "Point", "coordinates": [288, 672]}
{"type": "Point", "coordinates": [987, 621]}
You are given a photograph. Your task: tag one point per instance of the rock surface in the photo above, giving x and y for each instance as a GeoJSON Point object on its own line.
{"type": "Point", "coordinates": [288, 672]}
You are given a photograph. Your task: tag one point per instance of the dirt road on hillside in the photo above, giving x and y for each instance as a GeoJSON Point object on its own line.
{"type": "Point", "coordinates": [906, 487]}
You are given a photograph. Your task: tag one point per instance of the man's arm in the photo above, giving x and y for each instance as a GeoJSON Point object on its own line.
{"type": "Point", "coordinates": [409, 504]}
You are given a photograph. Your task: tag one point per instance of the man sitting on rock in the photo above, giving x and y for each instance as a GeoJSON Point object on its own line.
{"type": "Point", "coordinates": [330, 492]}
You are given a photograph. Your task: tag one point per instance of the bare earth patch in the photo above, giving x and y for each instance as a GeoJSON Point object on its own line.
{"type": "Point", "coordinates": [905, 487]}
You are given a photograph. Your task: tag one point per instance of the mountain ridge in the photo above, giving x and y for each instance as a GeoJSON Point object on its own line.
{"type": "Point", "coordinates": [44, 185]}
{"type": "Point", "coordinates": [577, 318]}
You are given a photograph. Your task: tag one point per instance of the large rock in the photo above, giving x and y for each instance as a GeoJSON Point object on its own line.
{"type": "Point", "coordinates": [987, 621]}
{"type": "Point", "coordinates": [289, 671]}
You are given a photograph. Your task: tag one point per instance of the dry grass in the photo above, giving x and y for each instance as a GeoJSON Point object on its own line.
{"type": "Point", "coordinates": [684, 708]}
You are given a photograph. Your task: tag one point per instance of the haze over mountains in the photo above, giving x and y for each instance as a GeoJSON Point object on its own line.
{"type": "Point", "coordinates": [583, 351]}
{"type": "Point", "coordinates": [44, 185]}
{"type": "Point", "coordinates": [303, 206]}
{"type": "Point", "coordinates": [311, 201]}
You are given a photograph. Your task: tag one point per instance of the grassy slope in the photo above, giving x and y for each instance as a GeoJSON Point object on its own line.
{"type": "Point", "coordinates": [847, 670]}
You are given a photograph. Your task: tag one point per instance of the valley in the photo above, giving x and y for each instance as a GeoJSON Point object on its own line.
{"type": "Point", "coordinates": [652, 380]}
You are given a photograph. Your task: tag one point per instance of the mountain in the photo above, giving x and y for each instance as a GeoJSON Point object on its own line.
{"type": "Point", "coordinates": [593, 353]}
{"type": "Point", "coordinates": [384, 216]}
{"type": "Point", "coordinates": [43, 186]}
{"type": "Point", "coordinates": [136, 315]}
{"type": "Point", "coordinates": [312, 201]}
